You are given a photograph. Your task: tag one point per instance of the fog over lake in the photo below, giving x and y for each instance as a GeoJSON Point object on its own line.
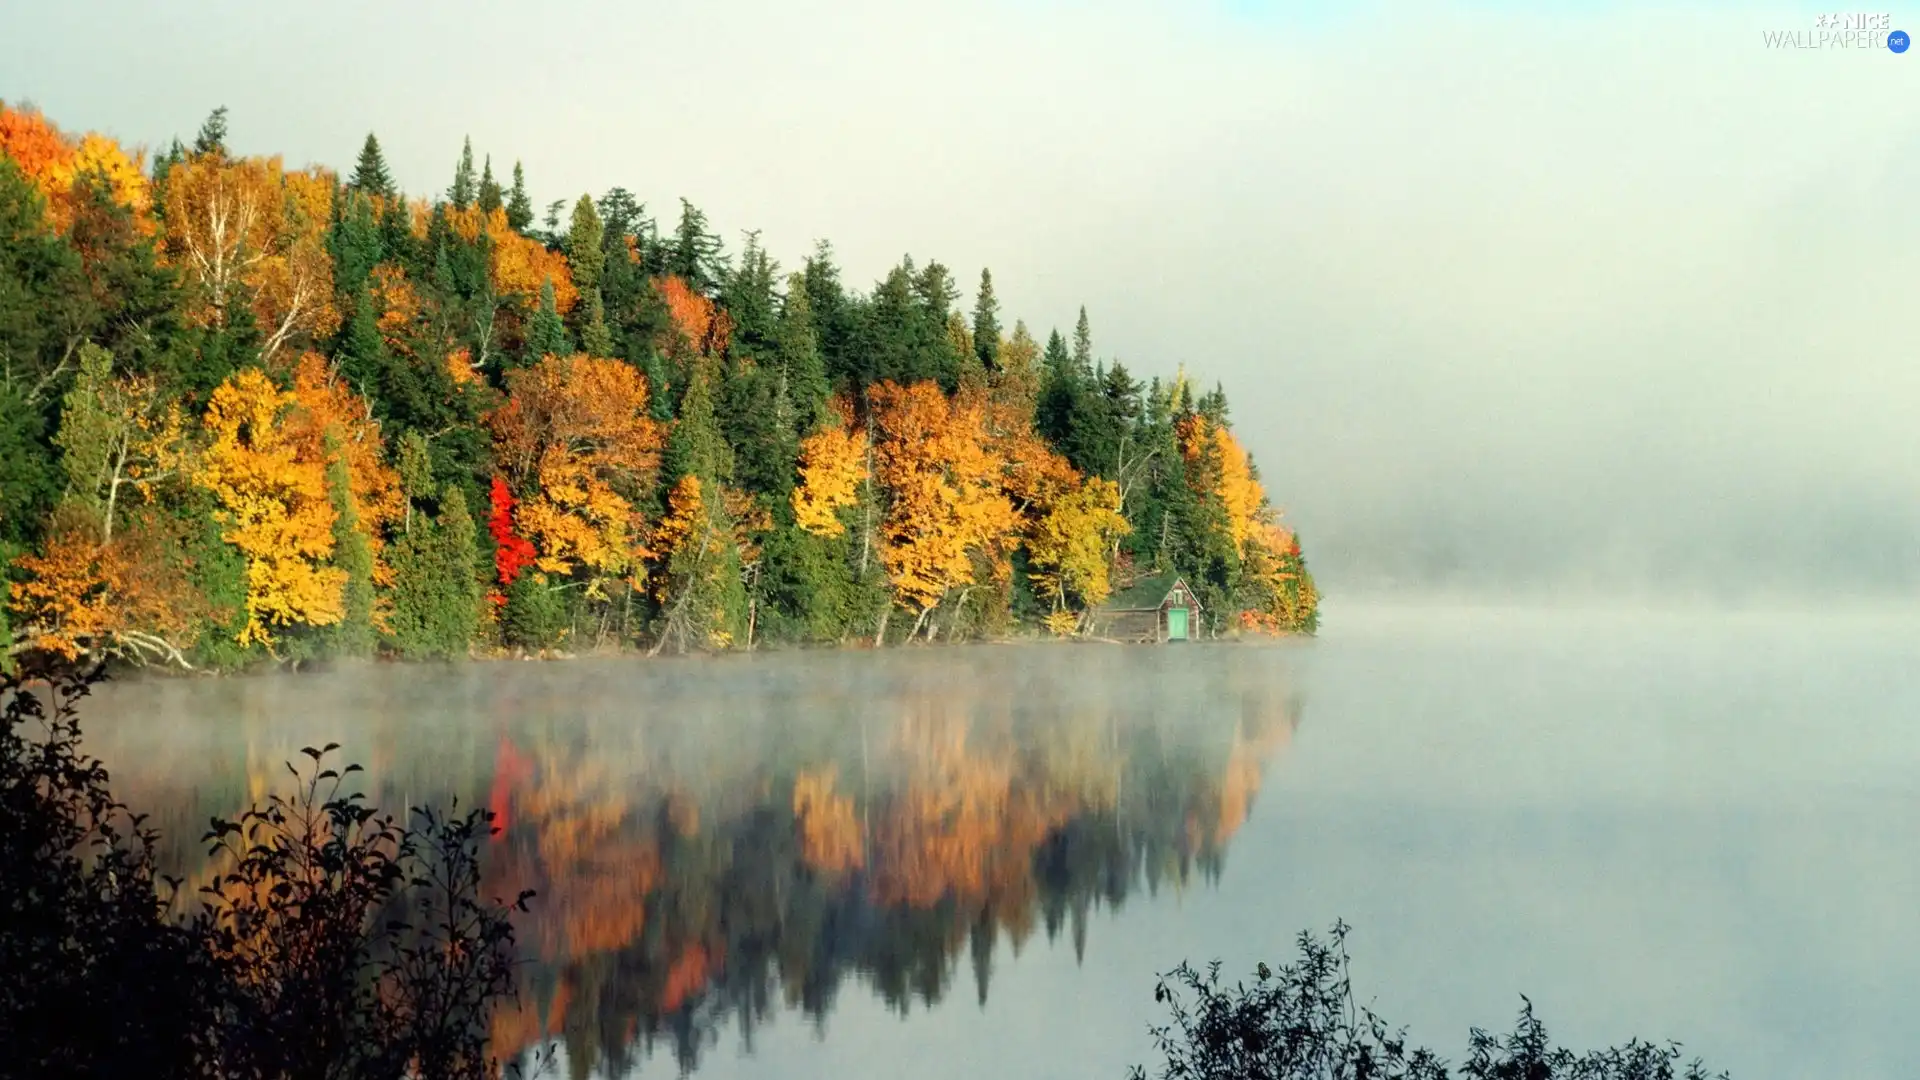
{"type": "Point", "coordinates": [1574, 339]}
{"type": "Point", "coordinates": [1682, 826]}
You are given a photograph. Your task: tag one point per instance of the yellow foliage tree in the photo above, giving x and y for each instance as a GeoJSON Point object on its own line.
{"type": "Point", "coordinates": [833, 463]}
{"type": "Point", "coordinates": [272, 502]}
{"type": "Point", "coordinates": [517, 265]}
{"type": "Point", "coordinates": [1069, 546]}
{"type": "Point", "coordinates": [830, 839]}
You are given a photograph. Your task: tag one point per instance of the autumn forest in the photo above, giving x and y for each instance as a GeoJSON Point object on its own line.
{"type": "Point", "coordinates": [250, 413]}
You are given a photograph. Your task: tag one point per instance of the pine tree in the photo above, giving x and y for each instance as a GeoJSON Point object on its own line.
{"type": "Point", "coordinates": [833, 318]}
{"type": "Point", "coordinates": [436, 590]}
{"type": "Point", "coordinates": [935, 293]}
{"type": "Point", "coordinates": [461, 194]}
{"type": "Point", "coordinates": [806, 371]}
{"type": "Point", "coordinates": [696, 253]}
{"type": "Point", "coordinates": [519, 204]}
{"type": "Point", "coordinates": [356, 243]}
{"type": "Point", "coordinates": [489, 188]}
{"type": "Point", "coordinates": [1082, 345]}
{"type": "Point", "coordinates": [353, 634]}
{"type": "Point", "coordinates": [986, 323]}
{"type": "Point", "coordinates": [595, 338]}
{"type": "Point", "coordinates": [212, 140]}
{"type": "Point", "coordinates": [546, 334]}
{"type": "Point", "coordinates": [370, 173]}
{"type": "Point", "coordinates": [1056, 358]}
{"type": "Point", "coordinates": [584, 249]}
{"type": "Point", "coordinates": [747, 294]}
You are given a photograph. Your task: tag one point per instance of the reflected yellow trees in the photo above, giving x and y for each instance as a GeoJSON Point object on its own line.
{"type": "Point", "coordinates": [713, 841]}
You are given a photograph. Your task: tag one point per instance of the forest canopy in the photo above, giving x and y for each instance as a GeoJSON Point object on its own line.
{"type": "Point", "coordinates": [250, 412]}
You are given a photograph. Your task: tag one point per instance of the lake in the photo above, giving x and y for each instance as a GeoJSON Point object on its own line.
{"type": "Point", "coordinates": [973, 861]}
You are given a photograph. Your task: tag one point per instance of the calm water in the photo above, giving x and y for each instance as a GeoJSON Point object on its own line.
{"type": "Point", "coordinates": [956, 863]}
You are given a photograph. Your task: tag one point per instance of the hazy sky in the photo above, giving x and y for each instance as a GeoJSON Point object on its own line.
{"type": "Point", "coordinates": [1607, 298]}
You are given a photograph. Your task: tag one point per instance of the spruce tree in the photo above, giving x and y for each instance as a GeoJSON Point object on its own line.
{"type": "Point", "coordinates": [356, 243]}
{"type": "Point", "coordinates": [696, 253]}
{"type": "Point", "coordinates": [353, 634]}
{"type": "Point", "coordinates": [546, 334]}
{"type": "Point", "coordinates": [584, 249]}
{"type": "Point", "coordinates": [1082, 345]}
{"type": "Point", "coordinates": [212, 140]}
{"type": "Point", "coordinates": [1056, 358]}
{"type": "Point", "coordinates": [370, 172]}
{"type": "Point", "coordinates": [595, 338]}
{"type": "Point", "coordinates": [832, 316]}
{"type": "Point", "coordinates": [436, 590]}
{"type": "Point", "coordinates": [747, 294]}
{"type": "Point", "coordinates": [986, 323]}
{"type": "Point", "coordinates": [519, 204]}
{"type": "Point", "coordinates": [462, 192]}
{"type": "Point", "coordinates": [806, 371]}
{"type": "Point", "coordinates": [553, 237]}
{"type": "Point", "coordinates": [489, 197]}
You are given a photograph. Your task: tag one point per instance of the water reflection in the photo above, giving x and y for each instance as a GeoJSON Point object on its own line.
{"type": "Point", "coordinates": [712, 842]}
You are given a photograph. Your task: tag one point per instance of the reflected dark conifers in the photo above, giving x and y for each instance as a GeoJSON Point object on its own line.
{"type": "Point", "coordinates": [714, 841]}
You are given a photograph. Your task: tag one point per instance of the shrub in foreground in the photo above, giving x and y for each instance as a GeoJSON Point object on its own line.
{"type": "Point", "coordinates": [1301, 1022]}
{"type": "Point", "coordinates": [333, 940]}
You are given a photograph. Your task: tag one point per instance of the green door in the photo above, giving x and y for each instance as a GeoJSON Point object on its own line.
{"type": "Point", "coordinates": [1176, 624]}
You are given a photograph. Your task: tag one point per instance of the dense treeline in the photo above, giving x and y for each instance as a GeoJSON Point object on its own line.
{"type": "Point", "coordinates": [249, 411]}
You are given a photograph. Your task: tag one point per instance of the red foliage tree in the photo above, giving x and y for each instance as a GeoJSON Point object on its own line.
{"type": "Point", "coordinates": [512, 552]}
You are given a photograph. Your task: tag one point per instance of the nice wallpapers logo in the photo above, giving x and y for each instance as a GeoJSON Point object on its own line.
{"type": "Point", "coordinates": [1843, 30]}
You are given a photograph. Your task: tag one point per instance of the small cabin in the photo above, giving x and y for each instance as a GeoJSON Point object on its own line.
{"type": "Point", "coordinates": [1157, 609]}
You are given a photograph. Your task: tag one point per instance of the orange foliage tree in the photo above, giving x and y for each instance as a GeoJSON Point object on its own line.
{"type": "Point", "coordinates": [327, 406]}
{"type": "Point", "coordinates": [127, 597]}
{"type": "Point", "coordinates": [249, 231]}
{"type": "Point", "coordinates": [946, 505]}
{"type": "Point", "coordinates": [54, 162]}
{"type": "Point", "coordinates": [576, 437]}
{"type": "Point", "coordinates": [696, 322]}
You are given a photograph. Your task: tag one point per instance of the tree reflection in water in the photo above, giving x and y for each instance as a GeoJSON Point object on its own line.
{"type": "Point", "coordinates": [731, 838]}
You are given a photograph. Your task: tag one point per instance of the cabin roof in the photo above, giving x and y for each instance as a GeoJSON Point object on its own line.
{"type": "Point", "coordinates": [1148, 594]}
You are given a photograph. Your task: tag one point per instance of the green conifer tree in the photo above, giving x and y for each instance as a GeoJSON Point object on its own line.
{"type": "Point", "coordinates": [595, 338]}
{"type": "Point", "coordinates": [986, 323]}
{"type": "Point", "coordinates": [462, 193]}
{"type": "Point", "coordinates": [489, 196]}
{"type": "Point", "coordinates": [546, 334]}
{"type": "Point", "coordinates": [519, 204]}
{"type": "Point", "coordinates": [353, 635]}
{"type": "Point", "coordinates": [370, 173]}
{"type": "Point", "coordinates": [1082, 344]}
{"type": "Point", "coordinates": [585, 236]}
{"type": "Point", "coordinates": [436, 589]}
{"type": "Point", "coordinates": [695, 253]}
{"type": "Point", "coordinates": [1056, 359]}
{"type": "Point", "coordinates": [805, 370]}
{"type": "Point", "coordinates": [212, 140]}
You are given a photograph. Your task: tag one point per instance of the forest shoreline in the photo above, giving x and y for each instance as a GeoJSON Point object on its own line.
{"type": "Point", "coordinates": [126, 673]}
{"type": "Point", "coordinates": [377, 423]}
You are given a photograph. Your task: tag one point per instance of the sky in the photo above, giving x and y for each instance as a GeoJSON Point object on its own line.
{"type": "Point", "coordinates": [1542, 299]}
